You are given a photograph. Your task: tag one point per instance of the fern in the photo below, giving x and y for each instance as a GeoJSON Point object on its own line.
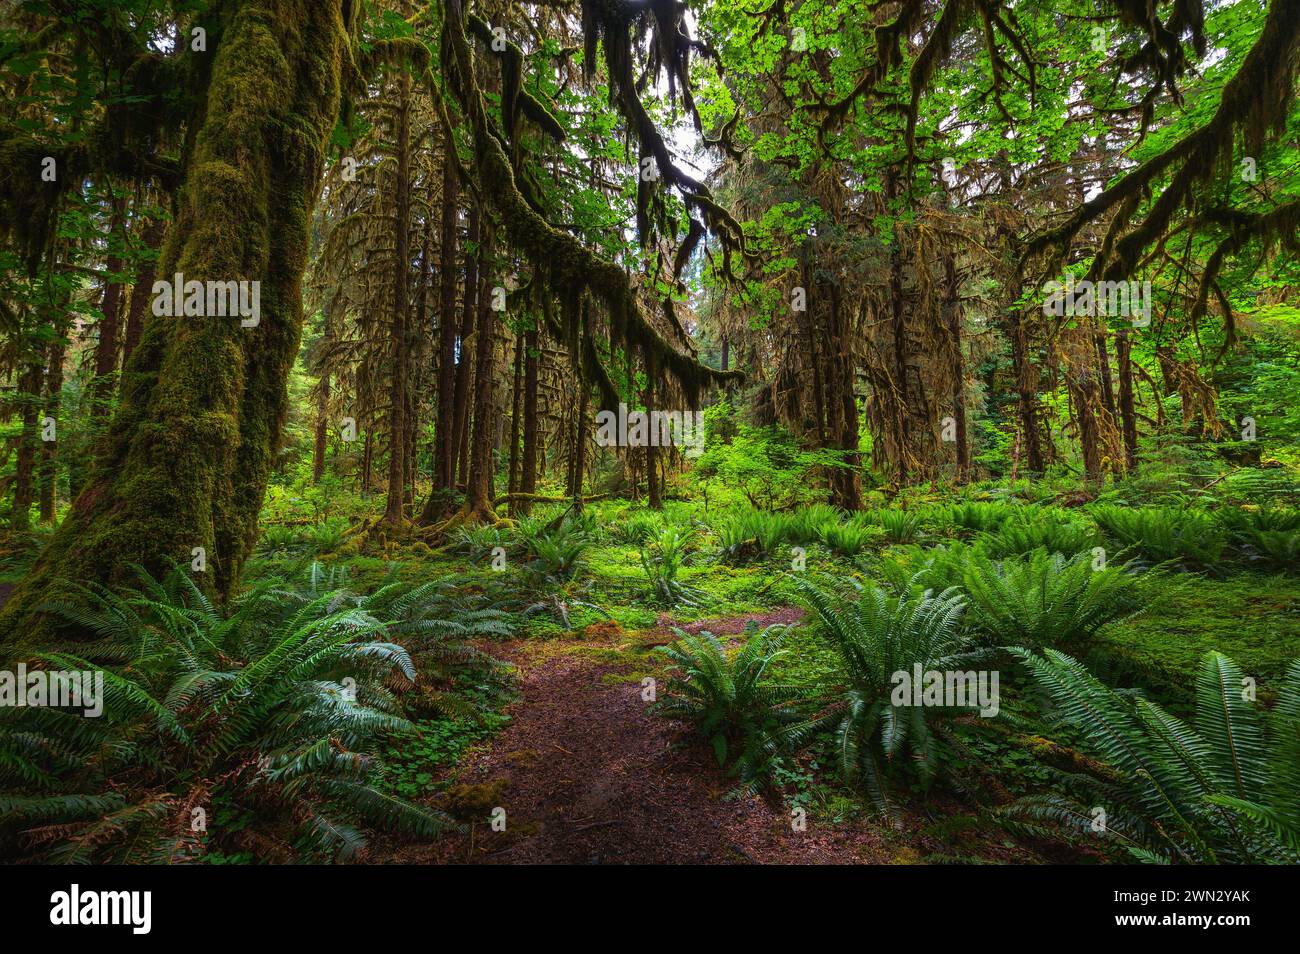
{"type": "Point", "coordinates": [1220, 790]}
{"type": "Point", "coordinates": [279, 701]}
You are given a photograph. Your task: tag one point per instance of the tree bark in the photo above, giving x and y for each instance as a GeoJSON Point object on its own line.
{"type": "Point", "coordinates": [478, 486]}
{"type": "Point", "coordinates": [1127, 412]}
{"type": "Point", "coordinates": [29, 387]}
{"type": "Point", "coordinates": [469, 313]}
{"type": "Point", "coordinates": [952, 316]}
{"type": "Point", "coordinates": [50, 449]}
{"type": "Point", "coordinates": [106, 351]}
{"type": "Point", "coordinates": [321, 437]}
{"type": "Point", "coordinates": [393, 511]}
{"type": "Point", "coordinates": [528, 464]}
{"type": "Point", "coordinates": [142, 290]}
{"type": "Point", "coordinates": [186, 460]}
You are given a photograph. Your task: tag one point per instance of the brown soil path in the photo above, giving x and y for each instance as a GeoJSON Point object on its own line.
{"type": "Point", "coordinates": [587, 775]}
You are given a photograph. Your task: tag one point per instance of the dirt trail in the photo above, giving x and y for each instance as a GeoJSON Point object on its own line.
{"type": "Point", "coordinates": [588, 776]}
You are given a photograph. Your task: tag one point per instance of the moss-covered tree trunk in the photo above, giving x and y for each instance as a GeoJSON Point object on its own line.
{"type": "Point", "coordinates": [29, 388]}
{"type": "Point", "coordinates": [528, 458]}
{"type": "Point", "coordinates": [445, 449]}
{"type": "Point", "coordinates": [50, 447]}
{"type": "Point", "coordinates": [108, 347]}
{"type": "Point", "coordinates": [393, 513]}
{"type": "Point", "coordinates": [478, 479]}
{"type": "Point", "coordinates": [1127, 412]}
{"type": "Point", "coordinates": [142, 291]}
{"type": "Point", "coordinates": [469, 313]}
{"type": "Point", "coordinates": [187, 457]}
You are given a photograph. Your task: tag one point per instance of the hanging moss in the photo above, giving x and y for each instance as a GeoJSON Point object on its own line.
{"type": "Point", "coordinates": [570, 269]}
{"type": "Point", "coordinates": [186, 461]}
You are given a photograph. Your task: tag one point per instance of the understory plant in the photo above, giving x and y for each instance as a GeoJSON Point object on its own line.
{"type": "Point", "coordinates": [727, 697]}
{"type": "Point", "coordinates": [877, 635]}
{"type": "Point", "coordinates": [1049, 599]}
{"type": "Point", "coordinates": [662, 559]}
{"type": "Point", "coordinates": [1222, 789]}
{"type": "Point", "coordinates": [270, 712]}
{"type": "Point", "coordinates": [1165, 534]}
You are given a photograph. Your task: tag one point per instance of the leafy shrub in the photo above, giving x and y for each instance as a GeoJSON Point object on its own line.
{"type": "Point", "coordinates": [478, 541]}
{"type": "Point", "coordinates": [1165, 534]}
{"type": "Point", "coordinates": [273, 711]}
{"type": "Point", "coordinates": [726, 697]}
{"type": "Point", "coordinates": [662, 560]}
{"type": "Point", "coordinates": [556, 554]}
{"type": "Point", "coordinates": [279, 538]}
{"type": "Point", "coordinates": [327, 536]}
{"type": "Point", "coordinates": [1279, 549]}
{"type": "Point", "coordinates": [900, 526]}
{"type": "Point", "coordinates": [805, 525]}
{"type": "Point", "coordinates": [1224, 789]}
{"type": "Point", "coordinates": [1269, 536]}
{"type": "Point", "coordinates": [752, 534]}
{"type": "Point", "coordinates": [875, 636]}
{"type": "Point", "coordinates": [1047, 599]}
{"type": "Point", "coordinates": [1036, 529]}
{"type": "Point", "coordinates": [637, 528]}
{"type": "Point", "coordinates": [981, 516]}
{"type": "Point", "coordinates": [852, 537]}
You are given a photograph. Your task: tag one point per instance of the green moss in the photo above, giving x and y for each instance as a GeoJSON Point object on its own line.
{"type": "Point", "coordinates": [1253, 619]}
{"type": "Point", "coordinates": [189, 454]}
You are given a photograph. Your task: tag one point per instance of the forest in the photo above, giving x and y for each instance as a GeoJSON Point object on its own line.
{"type": "Point", "coordinates": [650, 432]}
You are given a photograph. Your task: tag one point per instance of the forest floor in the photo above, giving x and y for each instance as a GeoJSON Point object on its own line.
{"type": "Point", "coordinates": [588, 775]}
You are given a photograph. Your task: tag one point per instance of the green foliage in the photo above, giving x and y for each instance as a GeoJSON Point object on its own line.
{"type": "Point", "coordinates": [1164, 534]}
{"type": "Point", "coordinates": [662, 559]}
{"type": "Point", "coordinates": [478, 541]}
{"type": "Point", "coordinates": [764, 466]}
{"type": "Point", "coordinates": [1048, 599]}
{"type": "Point", "coordinates": [278, 706]}
{"type": "Point", "coordinates": [752, 534]}
{"type": "Point", "coordinates": [555, 555]}
{"type": "Point", "coordinates": [727, 697]}
{"type": "Point", "coordinates": [1037, 529]}
{"type": "Point", "coordinates": [636, 528]}
{"type": "Point", "coordinates": [808, 524]}
{"type": "Point", "coordinates": [1223, 789]}
{"type": "Point", "coordinates": [900, 526]}
{"type": "Point", "coordinates": [852, 537]}
{"type": "Point", "coordinates": [981, 516]}
{"type": "Point", "coordinates": [1268, 537]}
{"type": "Point", "coordinates": [875, 636]}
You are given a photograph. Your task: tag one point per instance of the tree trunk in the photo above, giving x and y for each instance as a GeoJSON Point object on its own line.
{"type": "Point", "coordinates": [1127, 412]}
{"type": "Point", "coordinates": [952, 315]}
{"type": "Point", "coordinates": [842, 410]}
{"type": "Point", "coordinates": [478, 498]}
{"type": "Point", "coordinates": [1026, 393]}
{"type": "Point", "coordinates": [29, 387]}
{"type": "Point", "coordinates": [393, 512]}
{"type": "Point", "coordinates": [142, 290]}
{"type": "Point", "coordinates": [469, 312]}
{"type": "Point", "coordinates": [321, 437]}
{"type": "Point", "coordinates": [528, 465]}
{"type": "Point", "coordinates": [49, 448]}
{"type": "Point", "coordinates": [106, 351]}
{"type": "Point", "coordinates": [186, 461]}
{"type": "Point", "coordinates": [516, 411]}
{"type": "Point", "coordinates": [444, 440]}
